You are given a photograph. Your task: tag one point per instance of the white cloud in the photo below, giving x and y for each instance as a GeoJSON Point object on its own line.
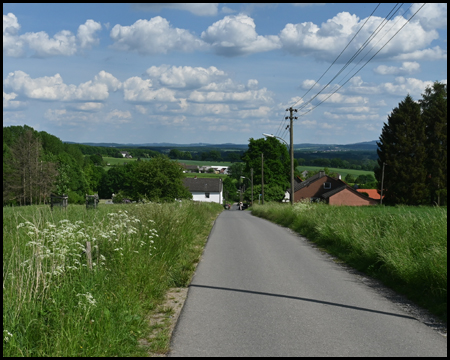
{"type": "Point", "coordinates": [63, 42]}
{"type": "Point", "coordinates": [86, 34]}
{"type": "Point", "coordinates": [186, 77]}
{"type": "Point", "coordinates": [118, 117]}
{"type": "Point", "coordinates": [328, 40]}
{"type": "Point", "coordinates": [431, 16]}
{"type": "Point", "coordinates": [435, 53]}
{"type": "Point", "coordinates": [200, 9]}
{"type": "Point", "coordinates": [154, 36]}
{"type": "Point", "coordinates": [407, 67]}
{"type": "Point", "coordinates": [88, 106]}
{"type": "Point", "coordinates": [12, 44]}
{"type": "Point", "coordinates": [9, 103]}
{"type": "Point", "coordinates": [137, 89]}
{"type": "Point", "coordinates": [53, 87]}
{"type": "Point", "coordinates": [236, 35]}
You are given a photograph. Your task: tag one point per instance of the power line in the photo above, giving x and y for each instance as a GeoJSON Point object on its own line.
{"type": "Point", "coordinates": [365, 63]}
{"type": "Point", "coordinates": [338, 55]}
{"type": "Point", "coordinates": [362, 47]}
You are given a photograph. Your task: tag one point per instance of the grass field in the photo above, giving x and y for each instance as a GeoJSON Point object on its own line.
{"type": "Point", "coordinates": [120, 161]}
{"type": "Point", "coordinates": [54, 305]}
{"type": "Point", "coordinates": [342, 172]}
{"type": "Point", "coordinates": [405, 247]}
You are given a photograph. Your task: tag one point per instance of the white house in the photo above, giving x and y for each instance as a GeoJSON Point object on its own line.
{"type": "Point", "coordinates": [205, 189]}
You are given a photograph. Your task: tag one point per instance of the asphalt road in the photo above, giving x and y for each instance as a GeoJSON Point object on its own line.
{"type": "Point", "coordinates": [260, 290]}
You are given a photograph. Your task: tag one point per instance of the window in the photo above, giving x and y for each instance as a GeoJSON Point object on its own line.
{"type": "Point", "coordinates": [207, 195]}
{"type": "Point", "coordinates": [327, 185]}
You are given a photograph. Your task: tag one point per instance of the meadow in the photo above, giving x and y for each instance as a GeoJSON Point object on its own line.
{"type": "Point", "coordinates": [404, 246]}
{"type": "Point", "coordinates": [56, 304]}
{"type": "Point", "coordinates": [342, 172]}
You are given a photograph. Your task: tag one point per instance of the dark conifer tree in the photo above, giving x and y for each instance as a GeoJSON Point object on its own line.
{"type": "Point", "coordinates": [434, 114]}
{"type": "Point", "coordinates": [402, 148]}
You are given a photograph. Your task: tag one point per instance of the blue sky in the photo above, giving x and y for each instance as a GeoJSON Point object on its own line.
{"type": "Point", "coordinates": [215, 73]}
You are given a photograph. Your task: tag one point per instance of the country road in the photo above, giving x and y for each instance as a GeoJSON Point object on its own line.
{"type": "Point", "coordinates": [261, 290]}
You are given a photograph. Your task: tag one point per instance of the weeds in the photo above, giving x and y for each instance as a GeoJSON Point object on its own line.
{"type": "Point", "coordinates": [54, 305]}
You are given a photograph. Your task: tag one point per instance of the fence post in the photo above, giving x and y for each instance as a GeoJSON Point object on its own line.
{"type": "Point", "coordinates": [89, 254]}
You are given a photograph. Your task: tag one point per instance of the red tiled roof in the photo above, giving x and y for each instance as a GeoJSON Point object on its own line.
{"type": "Point", "coordinates": [373, 193]}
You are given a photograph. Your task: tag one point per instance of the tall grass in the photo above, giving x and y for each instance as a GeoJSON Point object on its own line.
{"type": "Point", "coordinates": [405, 247]}
{"type": "Point", "coordinates": [54, 305]}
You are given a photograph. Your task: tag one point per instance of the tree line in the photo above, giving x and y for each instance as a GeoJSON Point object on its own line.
{"type": "Point", "coordinates": [37, 164]}
{"type": "Point", "coordinates": [413, 150]}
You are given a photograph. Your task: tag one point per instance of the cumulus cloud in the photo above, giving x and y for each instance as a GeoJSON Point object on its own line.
{"type": "Point", "coordinates": [63, 42]}
{"type": "Point", "coordinates": [236, 35]}
{"type": "Point", "coordinates": [154, 36]}
{"type": "Point", "coordinates": [118, 117]}
{"type": "Point", "coordinates": [12, 44]}
{"type": "Point", "coordinates": [185, 77]}
{"type": "Point", "coordinates": [137, 89]}
{"type": "Point", "coordinates": [86, 34]}
{"type": "Point", "coordinates": [9, 102]}
{"type": "Point", "coordinates": [407, 67]}
{"type": "Point", "coordinates": [53, 87]}
{"type": "Point", "coordinates": [431, 16]}
{"type": "Point", "coordinates": [200, 9]}
{"type": "Point", "coordinates": [328, 40]}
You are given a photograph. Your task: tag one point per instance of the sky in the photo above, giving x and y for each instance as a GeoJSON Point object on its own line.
{"type": "Point", "coordinates": [217, 73]}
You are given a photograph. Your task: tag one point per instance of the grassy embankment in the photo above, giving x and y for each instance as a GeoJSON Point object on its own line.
{"type": "Point", "coordinates": [54, 305]}
{"type": "Point", "coordinates": [405, 247]}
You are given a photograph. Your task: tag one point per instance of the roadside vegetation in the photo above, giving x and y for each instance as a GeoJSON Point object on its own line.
{"type": "Point", "coordinates": [403, 246]}
{"type": "Point", "coordinates": [55, 305]}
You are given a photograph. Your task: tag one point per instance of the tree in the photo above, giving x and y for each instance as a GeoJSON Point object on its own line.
{"type": "Point", "coordinates": [402, 147]}
{"type": "Point", "coordinates": [159, 179]}
{"type": "Point", "coordinates": [28, 178]}
{"type": "Point", "coordinates": [277, 166]}
{"type": "Point", "coordinates": [434, 114]}
{"type": "Point", "coordinates": [349, 178]}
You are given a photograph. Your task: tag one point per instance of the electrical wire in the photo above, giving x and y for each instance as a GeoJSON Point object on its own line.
{"type": "Point", "coordinates": [338, 56]}
{"type": "Point", "coordinates": [362, 47]}
{"type": "Point", "coordinates": [365, 63]}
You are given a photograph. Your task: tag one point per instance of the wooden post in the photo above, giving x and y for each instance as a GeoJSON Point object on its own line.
{"type": "Point", "coordinates": [89, 254]}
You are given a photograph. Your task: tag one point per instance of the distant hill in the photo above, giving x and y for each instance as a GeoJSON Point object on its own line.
{"type": "Point", "coordinates": [368, 145]}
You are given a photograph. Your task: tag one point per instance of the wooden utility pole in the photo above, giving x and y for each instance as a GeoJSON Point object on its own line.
{"type": "Point", "coordinates": [382, 180]}
{"type": "Point", "coordinates": [262, 177]}
{"type": "Point", "coordinates": [291, 130]}
{"type": "Point", "coordinates": [251, 173]}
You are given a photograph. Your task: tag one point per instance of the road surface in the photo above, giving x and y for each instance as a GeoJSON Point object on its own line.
{"type": "Point", "coordinates": [261, 290]}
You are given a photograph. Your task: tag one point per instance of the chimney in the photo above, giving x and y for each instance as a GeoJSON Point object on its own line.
{"type": "Point", "coordinates": [321, 173]}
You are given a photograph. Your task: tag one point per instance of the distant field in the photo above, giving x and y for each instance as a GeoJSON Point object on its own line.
{"type": "Point", "coordinates": [191, 175]}
{"type": "Point", "coordinates": [205, 163]}
{"type": "Point", "coordinates": [121, 161]}
{"type": "Point", "coordinates": [342, 172]}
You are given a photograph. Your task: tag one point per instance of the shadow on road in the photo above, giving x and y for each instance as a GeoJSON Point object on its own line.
{"type": "Point", "coordinates": [303, 299]}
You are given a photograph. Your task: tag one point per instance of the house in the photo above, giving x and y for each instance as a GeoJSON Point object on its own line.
{"type": "Point", "coordinates": [189, 168]}
{"type": "Point", "coordinates": [126, 154]}
{"type": "Point", "coordinates": [334, 191]}
{"type": "Point", "coordinates": [205, 189]}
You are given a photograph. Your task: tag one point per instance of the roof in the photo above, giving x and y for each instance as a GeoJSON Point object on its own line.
{"type": "Point", "coordinates": [373, 193]}
{"type": "Point", "coordinates": [203, 184]}
{"type": "Point", "coordinates": [301, 184]}
{"type": "Point", "coordinates": [339, 189]}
